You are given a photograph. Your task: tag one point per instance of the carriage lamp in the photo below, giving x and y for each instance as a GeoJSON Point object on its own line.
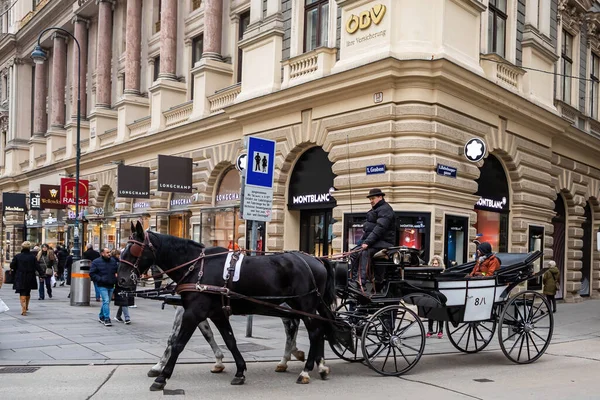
{"type": "Point", "coordinates": [396, 258]}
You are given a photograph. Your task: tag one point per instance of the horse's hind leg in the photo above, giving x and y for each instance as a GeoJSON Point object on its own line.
{"type": "Point", "coordinates": [189, 323]}
{"type": "Point", "coordinates": [224, 327]}
{"type": "Point", "coordinates": [314, 332]}
{"type": "Point", "coordinates": [157, 369]}
{"type": "Point", "coordinates": [291, 331]}
{"type": "Point", "coordinates": [204, 327]}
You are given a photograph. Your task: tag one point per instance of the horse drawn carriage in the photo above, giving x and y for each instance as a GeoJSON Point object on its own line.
{"type": "Point", "coordinates": [385, 330]}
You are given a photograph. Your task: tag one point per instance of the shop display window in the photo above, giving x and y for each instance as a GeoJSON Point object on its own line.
{"type": "Point", "coordinates": [455, 240]}
{"type": "Point", "coordinates": [220, 227]}
{"type": "Point", "coordinates": [260, 235]}
{"type": "Point", "coordinates": [492, 227]}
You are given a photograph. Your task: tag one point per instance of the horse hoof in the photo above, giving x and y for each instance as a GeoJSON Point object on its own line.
{"type": "Point", "coordinates": [157, 387]}
{"type": "Point", "coordinates": [153, 374]}
{"type": "Point", "coordinates": [324, 375]}
{"type": "Point", "coordinates": [299, 355]}
{"type": "Point", "coordinates": [238, 380]}
{"type": "Point", "coordinates": [217, 369]}
{"type": "Point", "coordinates": [303, 379]}
{"type": "Point", "coordinates": [281, 368]}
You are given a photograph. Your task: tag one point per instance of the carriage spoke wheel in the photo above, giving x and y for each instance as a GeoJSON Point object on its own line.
{"type": "Point", "coordinates": [525, 327]}
{"type": "Point", "coordinates": [471, 337]}
{"type": "Point", "coordinates": [345, 312]}
{"type": "Point", "coordinates": [393, 340]}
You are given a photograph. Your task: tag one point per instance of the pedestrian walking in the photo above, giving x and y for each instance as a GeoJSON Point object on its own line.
{"type": "Point", "coordinates": [103, 272]}
{"type": "Point", "coordinates": [47, 261]}
{"type": "Point", "coordinates": [24, 267]}
{"type": "Point", "coordinates": [123, 302]}
{"type": "Point", "coordinates": [91, 254]}
{"type": "Point", "coordinates": [61, 260]}
{"type": "Point", "coordinates": [551, 281]}
{"type": "Point", "coordinates": [436, 261]}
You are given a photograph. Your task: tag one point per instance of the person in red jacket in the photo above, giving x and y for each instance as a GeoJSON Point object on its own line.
{"type": "Point", "coordinates": [487, 263]}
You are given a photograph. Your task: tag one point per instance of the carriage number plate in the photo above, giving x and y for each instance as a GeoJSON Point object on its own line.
{"type": "Point", "coordinates": [479, 304]}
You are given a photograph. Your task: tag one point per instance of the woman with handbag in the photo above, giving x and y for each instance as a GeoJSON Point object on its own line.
{"type": "Point", "coordinates": [24, 266]}
{"type": "Point", "coordinates": [46, 260]}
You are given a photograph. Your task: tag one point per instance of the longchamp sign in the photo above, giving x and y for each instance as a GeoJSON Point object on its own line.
{"type": "Point", "coordinates": [174, 174]}
{"type": "Point", "coordinates": [67, 191]}
{"type": "Point", "coordinates": [133, 182]}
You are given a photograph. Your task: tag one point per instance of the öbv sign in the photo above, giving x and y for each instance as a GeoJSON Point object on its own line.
{"type": "Point", "coordinates": [365, 19]}
{"type": "Point", "coordinates": [67, 191]}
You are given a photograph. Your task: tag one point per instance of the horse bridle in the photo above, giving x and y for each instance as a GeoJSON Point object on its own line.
{"type": "Point", "coordinates": [136, 250]}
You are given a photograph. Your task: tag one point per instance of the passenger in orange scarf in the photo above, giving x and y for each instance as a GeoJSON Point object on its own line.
{"type": "Point", "coordinates": [487, 262]}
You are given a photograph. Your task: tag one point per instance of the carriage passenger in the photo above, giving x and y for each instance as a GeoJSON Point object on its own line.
{"type": "Point", "coordinates": [436, 261]}
{"type": "Point", "coordinates": [378, 234]}
{"type": "Point", "coordinates": [487, 263]}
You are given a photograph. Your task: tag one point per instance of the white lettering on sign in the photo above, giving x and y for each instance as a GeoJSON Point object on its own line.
{"type": "Point", "coordinates": [497, 204]}
{"type": "Point", "coordinates": [311, 198]}
{"type": "Point", "coordinates": [174, 186]}
{"type": "Point", "coordinates": [133, 193]}
{"type": "Point", "coordinates": [181, 202]}
{"type": "Point", "coordinates": [258, 203]}
{"type": "Point", "coordinates": [141, 204]}
{"type": "Point", "coordinates": [14, 208]}
{"type": "Point", "coordinates": [227, 197]}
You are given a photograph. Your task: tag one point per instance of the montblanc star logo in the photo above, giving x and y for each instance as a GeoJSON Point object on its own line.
{"type": "Point", "coordinates": [475, 149]}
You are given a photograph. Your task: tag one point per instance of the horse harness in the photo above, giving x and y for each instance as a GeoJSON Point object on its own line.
{"type": "Point", "coordinates": [224, 291]}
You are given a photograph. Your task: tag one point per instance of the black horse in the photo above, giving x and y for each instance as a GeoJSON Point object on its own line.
{"type": "Point", "coordinates": [304, 282]}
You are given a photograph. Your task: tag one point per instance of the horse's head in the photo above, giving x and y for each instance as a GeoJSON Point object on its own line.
{"type": "Point", "coordinates": [136, 259]}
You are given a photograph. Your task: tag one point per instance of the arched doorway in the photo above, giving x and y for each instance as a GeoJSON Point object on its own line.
{"type": "Point", "coordinates": [493, 205]}
{"type": "Point", "coordinates": [559, 239]}
{"type": "Point", "coordinates": [309, 193]}
{"type": "Point", "coordinates": [586, 258]}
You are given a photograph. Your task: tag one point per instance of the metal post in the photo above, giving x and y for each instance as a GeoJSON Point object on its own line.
{"type": "Point", "coordinates": [253, 247]}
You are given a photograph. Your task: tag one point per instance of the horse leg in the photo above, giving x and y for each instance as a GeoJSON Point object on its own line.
{"type": "Point", "coordinates": [313, 334]}
{"type": "Point", "coordinates": [189, 323]}
{"type": "Point", "coordinates": [157, 369]}
{"type": "Point", "coordinates": [204, 327]}
{"type": "Point", "coordinates": [323, 369]}
{"type": "Point", "coordinates": [224, 327]}
{"type": "Point", "coordinates": [291, 331]}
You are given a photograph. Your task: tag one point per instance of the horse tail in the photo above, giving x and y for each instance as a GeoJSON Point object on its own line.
{"type": "Point", "coordinates": [329, 296]}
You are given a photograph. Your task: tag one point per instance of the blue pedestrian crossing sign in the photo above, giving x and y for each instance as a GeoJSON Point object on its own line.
{"type": "Point", "coordinates": [260, 162]}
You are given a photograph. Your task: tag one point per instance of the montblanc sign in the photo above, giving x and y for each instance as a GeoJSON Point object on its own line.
{"type": "Point", "coordinates": [311, 198]}
{"type": "Point", "coordinates": [491, 203]}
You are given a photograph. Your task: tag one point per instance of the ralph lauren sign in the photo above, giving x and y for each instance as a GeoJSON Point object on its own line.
{"type": "Point", "coordinates": [174, 174]}
{"type": "Point", "coordinates": [133, 182]}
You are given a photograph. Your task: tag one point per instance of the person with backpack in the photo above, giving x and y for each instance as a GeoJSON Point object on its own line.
{"type": "Point", "coordinates": [551, 282]}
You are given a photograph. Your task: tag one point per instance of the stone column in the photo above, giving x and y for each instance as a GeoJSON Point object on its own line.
{"type": "Point", "coordinates": [133, 44]}
{"type": "Point", "coordinates": [59, 80]}
{"type": "Point", "coordinates": [168, 39]}
{"type": "Point", "coordinates": [40, 121]}
{"type": "Point", "coordinates": [104, 54]}
{"type": "Point", "coordinates": [213, 25]}
{"type": "Point", "coordinates": [81, 34]}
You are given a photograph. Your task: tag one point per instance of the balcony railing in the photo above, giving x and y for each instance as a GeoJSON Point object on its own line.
{"type": "Point", "coordinates": [503, 73]}
{"type": "Point", "coordinates": [308, 66]}
{"type": "Point", "coordinates": [178, 114]}
{"type": "Point", "coordinates": [108, 137]}
{"type": "Point", "coordinates": [224, 98]}
{"type": "Point", "coordinates": [139, 127]}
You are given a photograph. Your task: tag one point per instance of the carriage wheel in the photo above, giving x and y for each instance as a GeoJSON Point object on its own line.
{"type": "Point", "coordinates": [343, 312]}
{"type": "Point", "coordinates": [393, 340]}
{"type": "Point", "coordinates": [471, 337]}
{"type": "Point", "coordinates": [525, 327]}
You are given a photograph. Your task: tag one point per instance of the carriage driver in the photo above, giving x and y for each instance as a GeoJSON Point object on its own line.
{"type": "Point", "coordinates": [487, 263]}
{"type": "Point", "coordinates": [378, 234]}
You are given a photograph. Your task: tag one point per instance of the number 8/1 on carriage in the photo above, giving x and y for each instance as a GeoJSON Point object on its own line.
{"type": "Point", "coordinates": [479, 305]}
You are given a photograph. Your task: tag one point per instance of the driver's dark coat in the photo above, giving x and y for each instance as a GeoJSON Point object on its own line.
{"type": "Point", "coordinates": [379, 227]}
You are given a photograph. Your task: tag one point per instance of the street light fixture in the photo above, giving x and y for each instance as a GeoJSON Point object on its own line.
{"type": "Point", "coordinates": [39, 57]}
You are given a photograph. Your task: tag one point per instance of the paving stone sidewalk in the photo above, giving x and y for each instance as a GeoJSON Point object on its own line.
{"type": "Point", "coordinates": [56, 333]}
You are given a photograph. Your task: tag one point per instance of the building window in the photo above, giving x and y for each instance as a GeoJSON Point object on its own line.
{"type": "Point", "coordinates": [595, 78]}
{"type": "Point", "coordinates": [316, 24]}
{"type": "Point", "coordinates": [197, 50]}
{"type": "Point", "coordinates": [497, 27]}
{"type": "Point", "coordinates": [567, 65]}
{"type": "Point", "coordinates": [157, 23]}
{"type": "Point", "coordinates": [156, 68]}
{"type": "Point", "coordinates": [244, 22]}
{"type": "Point", "coordinates": [196, 4]}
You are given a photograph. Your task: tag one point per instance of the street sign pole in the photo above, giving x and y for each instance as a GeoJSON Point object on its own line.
{"type": "Point", "coordinates": [253, 247]}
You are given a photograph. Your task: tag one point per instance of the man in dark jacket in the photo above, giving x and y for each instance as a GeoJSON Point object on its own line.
{"type": "Point", "coordinates": [61, 257]}
{"type": "Point", "coordinates": [378, 233]}
{"type": "Point", "coordinates": [103, 273]}
{"type": "Point", "coordinates": [24, 266]}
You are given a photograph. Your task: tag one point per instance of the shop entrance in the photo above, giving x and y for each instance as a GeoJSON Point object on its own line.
{"type": "Point", "coordinates": [456, 240]}
{"type": "Point", "coordinates": [586, 250]}
{"type": "Point", "coordinates": [178, 225]}
{"type": "Point", "coordinates": [316, 232]}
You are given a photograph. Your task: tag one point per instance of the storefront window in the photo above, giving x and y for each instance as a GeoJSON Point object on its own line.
{"type": "Point", "coordinates": [536, 243]}
{"type": "Point", "coordinates": [260, 235]}
{"type": "Point", "coordinates": [220, 227]}
{"type": "Point", "coordinates": [455, 240]}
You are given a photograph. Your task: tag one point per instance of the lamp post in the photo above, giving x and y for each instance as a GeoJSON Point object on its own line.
{"type": "Point", "coordinates": [39, 57]}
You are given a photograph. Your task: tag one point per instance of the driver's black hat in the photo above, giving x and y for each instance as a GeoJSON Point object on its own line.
{"type": "Point", "coordinates": [375, 192]}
